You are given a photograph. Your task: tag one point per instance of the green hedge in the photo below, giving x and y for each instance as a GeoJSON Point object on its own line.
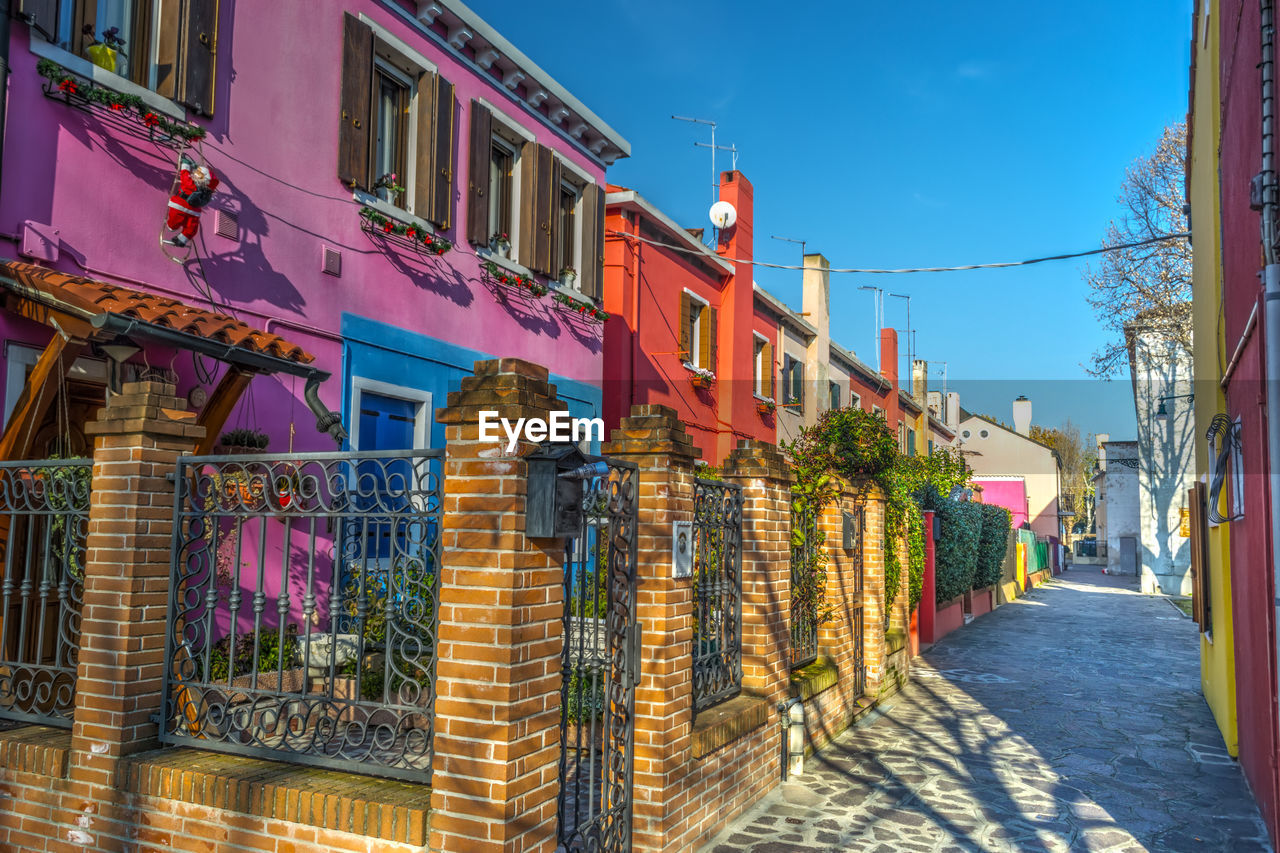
{"type": "Point", "coordinates": [956, 551]}
{"type": "Point", "coordinates": [992, 544]}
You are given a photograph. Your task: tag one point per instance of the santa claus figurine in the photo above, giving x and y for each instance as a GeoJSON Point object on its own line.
{"type": "Point", "coordinates": [195, 187]}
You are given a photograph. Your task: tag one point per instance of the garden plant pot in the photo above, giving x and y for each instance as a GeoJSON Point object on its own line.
{"type": "Point", "coordinates": [104, 57]}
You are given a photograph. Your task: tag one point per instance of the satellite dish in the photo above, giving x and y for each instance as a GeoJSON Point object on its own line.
{"type": "Point", "coordinates": [723, 215]}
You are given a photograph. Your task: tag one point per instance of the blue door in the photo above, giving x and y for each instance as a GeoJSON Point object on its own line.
{"type": "Point", "coordinates": [386, 423]}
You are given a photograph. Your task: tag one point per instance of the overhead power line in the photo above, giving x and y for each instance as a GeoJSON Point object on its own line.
{"type": "Point", "coordinates": [1063, 257]}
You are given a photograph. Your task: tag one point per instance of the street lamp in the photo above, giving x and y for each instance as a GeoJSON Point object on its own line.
{"type": "Point", "coordinates": [1162, 411]}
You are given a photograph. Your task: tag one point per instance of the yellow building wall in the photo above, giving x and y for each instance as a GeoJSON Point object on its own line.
{"type": "Point", "coordinates": [1217, 646]}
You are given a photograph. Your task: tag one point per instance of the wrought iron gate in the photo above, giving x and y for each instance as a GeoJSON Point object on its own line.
{"type": "Point", "coordinates": [717, 592]}
{"type": "Point", "coordinates": [303, 608]}
{"type": "Point", "coordinates": [854, 541]}
{"type": "Point", "coordinates": [808, 583]}
{"type": "Point", "coordinates": [601, 666]}
{"type": "Point", "coordinates": [44, 520]}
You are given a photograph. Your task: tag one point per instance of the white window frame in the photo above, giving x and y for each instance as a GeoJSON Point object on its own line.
{"type": "Point", "coordinates": [409, 178]}
{"type": "Point", "coordinates": [361, 384]}
{"type": "Point", "coordinates": [513, 137]}
{"type": "Point", "coordinates": [758, 343]}
{"type": "Point", "coordinates": [695, 334]}
{"type": "Point", "coordinates": [855, 400]}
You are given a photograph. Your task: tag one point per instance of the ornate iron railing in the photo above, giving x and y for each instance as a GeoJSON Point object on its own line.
{"type": "Point", "coordinates": [600, 666]}
{"type": "Point", "coordinates": [303, 611]}
{"type": "Point", "coordinates": [717, 592]}
{"type": "Point", "coordinates": [44, 519]}
{"type": "Point", "coordinates": [806, 578]}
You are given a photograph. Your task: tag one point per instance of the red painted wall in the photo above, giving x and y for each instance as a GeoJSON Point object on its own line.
{"type": "Point", "coordinates": [642, 365]}
{"type": "Point", "coordinates": [888, 399]}
{"type": "Point", "coordinates": [1251, 578]}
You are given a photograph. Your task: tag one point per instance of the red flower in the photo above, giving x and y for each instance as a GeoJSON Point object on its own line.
{"type": "Point", "coordinates": [388, 227]}
{"type": "Point", "coordinates": [412, 233]}
{"type": "Point", "coordinates": [68, 86]}
{"type": "Point", "coordinates": [439, 250]}
{"type": "Point", "coordinates": [117, 107]}
{"type": "Point", "coordinates": [151, 119]}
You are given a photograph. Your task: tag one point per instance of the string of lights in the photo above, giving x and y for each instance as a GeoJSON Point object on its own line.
{"type": "Point", "coordinates": [866, 271]}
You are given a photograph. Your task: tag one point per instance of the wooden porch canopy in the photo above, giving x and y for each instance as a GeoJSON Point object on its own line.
{"type": "Point", "coordinates": [82, 311]}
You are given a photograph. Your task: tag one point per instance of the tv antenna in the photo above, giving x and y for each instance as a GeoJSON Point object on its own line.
{"type": "Point", "coordinates": [715, 176]}
{"type": "Point", "coordinates": [802, 243]}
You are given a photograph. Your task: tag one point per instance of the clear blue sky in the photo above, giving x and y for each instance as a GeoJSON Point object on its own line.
{"type": "Point", "coordinates": [898, 135]}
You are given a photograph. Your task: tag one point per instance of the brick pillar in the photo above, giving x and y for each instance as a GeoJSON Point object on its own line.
{"type": "Point", "coordinates": [655, 440]}
{"type": "Point", "coordinates": [138, 437]}
{"type": "Point", "coordinates": [766, 478]}
{"type": "Point", "coordinates": [496, 774]}
{"type": "Point", "coordinates": [873, 624]}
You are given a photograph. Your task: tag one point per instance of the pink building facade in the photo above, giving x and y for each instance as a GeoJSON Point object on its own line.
{"type": "Point", "coordinates": [457, 112]}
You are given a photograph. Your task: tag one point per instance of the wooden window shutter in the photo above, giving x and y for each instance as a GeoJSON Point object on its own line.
{"type": "Point", "coordinates": [357, 103]}
{"type": "Point", "coordinates": [86, 12]}
{"type": "Point", "coordinates": [686, 323]}
{"type": "Point", "coordinates": [528, 183]}
{"type": "Point", "coordinates": [424, 154]}
{"type": "Point", "coordinates": [554, 263]}
{"type": "Point", "coordinates": [712, 342]}
{"type": "Point", "coordinates": [442, 138]}
{"type": "Point", "coordinates": [42, 15]}
{"type": "Point", "coordinates": [198, 54]}
{"type": "Point", "coordinates": [799, 368]}
{"type": "Point", "coordinates": [591, 276]}
{"type": "Point", "coordinates": [766, 370]}
{"type": "Point", "coordinates": [478, 175]}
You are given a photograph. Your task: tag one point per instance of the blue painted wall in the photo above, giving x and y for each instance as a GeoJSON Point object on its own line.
{"type": "Point", "coordinates": [375, 350]}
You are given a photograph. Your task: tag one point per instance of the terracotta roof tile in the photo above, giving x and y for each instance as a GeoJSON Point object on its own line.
{"type": "Point", "coordinates": [90, 297]}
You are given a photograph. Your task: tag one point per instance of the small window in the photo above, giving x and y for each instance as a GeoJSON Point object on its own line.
{"type": "Point", "coordinates": [567, 226]}
{"type": "Point", "coordinates": [390, 130]}
{"type": "Point", "coordinates": [835, 395]}
{"type": "Point", "coordinates": [855, 401]}
{"type": "Point", "coordinates": [697, 332]}
{"type": "Point", "coordinates": [758, 367]}
{"type": "Point", "coordinates": [982, 433]}
{"type": "Point", "coordinates": [793, 381]}
{"type": "Point", "coordinates": [502, 167]}
{"type": "Point", "coordinates": [911, 442]}
{"type": "Point", "coordinates": [966, 434]}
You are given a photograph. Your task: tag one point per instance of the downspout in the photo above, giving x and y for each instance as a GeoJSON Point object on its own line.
{"type": "Point", "coordinates": [1271, 295]}
{"type": "Point", "coordinates": [5, 23]}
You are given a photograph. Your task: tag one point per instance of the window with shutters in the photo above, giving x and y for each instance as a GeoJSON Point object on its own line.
{"type": "Point", "coordinates": [502, 171]}
{"type": "Point", "coordinates": [162, 45]}
{"type": "Point", "coordinates": [697, 332]}
{"type": "Point", "coordinates": [390, 131]}
{"type": "Point", "coordinates": [567, 226]}
{"type": "Point", "coordinates": [855, 401]}
{"type": "Point", "coordinates": [793, 381]}
{"type": "Point", "coordinates": [763, 361]}
{"type": "Point", "coordinates": [835, 395]}
{"type": "Point", "coordinates": [396, 116]}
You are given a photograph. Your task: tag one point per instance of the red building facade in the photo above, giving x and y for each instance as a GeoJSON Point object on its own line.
{"type": "Point", "coordinates": [683, 329]}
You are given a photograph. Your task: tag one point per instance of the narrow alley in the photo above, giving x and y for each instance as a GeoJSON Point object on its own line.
{"type": "Point", "coordinates": [1071, 719]}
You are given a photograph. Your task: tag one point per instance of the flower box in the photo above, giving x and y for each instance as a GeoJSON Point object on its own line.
{"type": "Point", "coordinates": [766, 407]}
{"type": "Point", "coordinates": [407, 234]}
{"type": "Point", "coordinates": [522, 283]}
{"type": "Point", "coordinates": [585, 310]}
{"type": "Point", "coordinates": [700, 377]}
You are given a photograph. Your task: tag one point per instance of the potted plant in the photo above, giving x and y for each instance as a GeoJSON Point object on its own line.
{"type": "Point", "coordinates": [569, 277]}
{"type": "Point", "coordinates": [500, 244]}
{"type": "Point", "coordinates": [700, 377]}
{"type": "Point", "coordinates": [236, 441]}
{"type": "Point", "coordinates": [766, 405]}
{"type": "Point", "coordinates": [108, 52]}
{"type": "Point", "coordinates": [390, 183]}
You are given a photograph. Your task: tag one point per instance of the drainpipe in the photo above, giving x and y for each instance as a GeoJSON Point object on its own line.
{"type": "Point", "coordinates": [4, 74]}
{"type": "Point", "coordinates": [1271, 289]}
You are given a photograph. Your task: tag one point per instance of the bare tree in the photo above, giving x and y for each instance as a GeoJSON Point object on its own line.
{"type": "Point", "coordinates": [1078, 457]}
{"type": "Point", "coordinates": [1148, 284]}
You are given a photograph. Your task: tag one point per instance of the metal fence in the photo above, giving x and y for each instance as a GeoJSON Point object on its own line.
{"type": "Point", "coordinates": [600, 666]}
{"type": "Point", "coordinates": [717, 592]}
{"type": "Point", "coordinates": [808, 582]}
{"type": "Point", "coordinates": [303, 611]}
{"type": "Point", "coordinates": [44, 520]}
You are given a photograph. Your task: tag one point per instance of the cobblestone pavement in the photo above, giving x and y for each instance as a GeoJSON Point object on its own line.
{"type": "Point", "coordinates": [1071, 719]}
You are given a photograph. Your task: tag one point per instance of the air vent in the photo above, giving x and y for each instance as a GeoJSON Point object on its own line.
{"type": "Point", "coordinates": [226, 225]}
{"type": "Point", "coordinates": [331, 261]}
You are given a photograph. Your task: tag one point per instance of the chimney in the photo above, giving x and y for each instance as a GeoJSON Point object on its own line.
{"type": "Point", "coordinates": [1022, 415]}
{"type": "Point", "coordinates": [816, 305]}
